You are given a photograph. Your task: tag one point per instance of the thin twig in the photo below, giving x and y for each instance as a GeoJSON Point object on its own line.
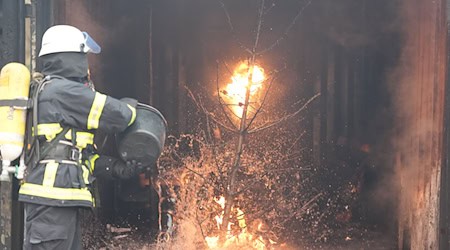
{"type": "Point", "coordinates": [211, 115]}
{"type": "Point", "coordinates": [287, 117]}
{"type": "Point", "coordinates": [218, 165]}
{"type": "Point", "coordinates": [227, 68]}
{"type": "Point", "coordinates": [262, 103]}
{"type": "Point", "coordinates": [270, 8]}
{"type": "Point", "coordinates": [204, 178]}
{"type": "Point", "coordinates": [220, 100]}
{"type": "Point", "coordinates": [232, 31]}
{"type": "Point", "coordinates": [285, 169]}
{"type": "Point", "coordinates": [223, 102]}
{"type": "Point", "coordinates": [195, 172]}
{"type": "Point", "coordinates": [295, 142]}
{"type": "Point", "coordinates": [287, 30]}
{"type": "Point", "coordinates": [276, 73]}
{"type": "Point", "coordinates": [209, 135]}
{"type": "Point", "coordinates": [200, 225]}
{"type": "Point", "coordinates": [258, 30]}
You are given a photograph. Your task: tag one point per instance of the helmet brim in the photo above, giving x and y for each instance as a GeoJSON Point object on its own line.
{"type": "Point", "coordinates": [90, 45]}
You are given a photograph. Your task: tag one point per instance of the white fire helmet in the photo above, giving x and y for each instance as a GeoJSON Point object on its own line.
{"type": "Point", "coordinates": [66, 38]}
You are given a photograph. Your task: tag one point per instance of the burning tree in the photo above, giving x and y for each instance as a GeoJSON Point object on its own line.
{"type": "Point", "coordinates": [242, 173]}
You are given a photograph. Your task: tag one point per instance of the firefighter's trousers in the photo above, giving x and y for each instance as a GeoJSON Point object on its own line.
{"type": "Point", "coordinates": [51, 228]}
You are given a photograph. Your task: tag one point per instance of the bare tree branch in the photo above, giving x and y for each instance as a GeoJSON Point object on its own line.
{"type": "Point", "coordinates": [209, 135]}
{"type": "Point", "coordinates": [258, 30]}
{"type": "Point", "coordinates": [218, 165]}
{"type": "Point", "coordinates": [199, 222]}
{"type": "Point", "coordinates": [285, 117]}
{"type": "Point", "coordinates": [287, 30]}
{"type": "Point", "coordinates": [210, 114]}
{"type": "Point", "coordinates": [228, 68]}
{"type": "Point", "coordinates": [231, 185]}
{"type": "Point", "coordinates": [304, 208]}
{"type": "Point", "coordinates": [275, 73]}
{"type": "Point", "coordinates": [262, 103]}
{"type": "Point", "coordinates": [295, 142]}
{"type": "Point", "coordinates": [286, 169]}
{"type": "Point", "coordinates": [220, 100]}
{"type": "Point", "coordinates": [208, 182]}
{"type": "Point", "coordinates": [230, 25]}
{"type": "Point", "coordinates": [270, 8]}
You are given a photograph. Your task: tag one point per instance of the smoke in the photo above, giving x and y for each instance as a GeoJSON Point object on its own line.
{"type": "Point", "coordinates": [354, 23]}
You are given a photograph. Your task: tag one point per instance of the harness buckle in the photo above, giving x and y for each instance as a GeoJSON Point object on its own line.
{"type": "Point", "coordinates": [75, 154]}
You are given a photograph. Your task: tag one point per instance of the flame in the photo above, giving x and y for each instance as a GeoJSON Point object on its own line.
{"type": "Point", "coordinates": [243, 238]}
{"type": "Point", "coordinates": [235, 92]}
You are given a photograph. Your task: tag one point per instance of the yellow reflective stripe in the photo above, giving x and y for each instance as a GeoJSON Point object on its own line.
{"type": "Point", "coordinates": [50, 174]}
{"type": "Point", "coordinates": [85, 174]}
{"type": "Point", "coordinates": [83, 138]}
{"type": "Point", "coordinates": [96, 111]}
{"type": "Point", "coordinates": [50, 130]}
{"type": "Point", "coordinates": [92, 161]}
{"type": "Point", "coordinates": [55, 192]}
{"type": "Point", "coordinates": [133, 114]}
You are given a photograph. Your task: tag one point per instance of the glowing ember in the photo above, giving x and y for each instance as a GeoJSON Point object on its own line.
{"type": "Point", "coordinates": [241, 239]}
{"type": "Point", "coordinates": [234, 93]}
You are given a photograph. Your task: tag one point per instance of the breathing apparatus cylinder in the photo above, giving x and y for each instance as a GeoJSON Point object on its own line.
{"type": "Point", "coordinates": [14, 90]}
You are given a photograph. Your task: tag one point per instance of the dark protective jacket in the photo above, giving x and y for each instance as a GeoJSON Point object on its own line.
{"type": "Point", "coordinates": [66, 101]}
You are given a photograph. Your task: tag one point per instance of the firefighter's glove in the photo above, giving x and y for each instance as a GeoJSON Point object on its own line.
{"type": "Point", "coordinates": [126, 170]}
{"type": "Point", "coordinates": [132, 102]}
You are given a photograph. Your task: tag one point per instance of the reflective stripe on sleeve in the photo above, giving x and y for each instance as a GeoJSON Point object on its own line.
{"type": "Point", "coordinates": [96, 111]}
{"type": "Point", "coordinates": [55, 192]}
{"type": "Point", "coordinates": [133, 114]}
{"type": "Point", "coordinates": [92, 161]}
{"type": "Point", "coordinates": [50, 174]}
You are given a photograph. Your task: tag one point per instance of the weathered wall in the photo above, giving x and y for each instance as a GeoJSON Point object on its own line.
{"type": "Point", "coordinates": [418, 86]}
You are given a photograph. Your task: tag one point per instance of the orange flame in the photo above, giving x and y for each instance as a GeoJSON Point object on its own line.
{"type": "Point", "coordinates": [235, 92]}
{"type": "Point", "coordinates": [243, 238]}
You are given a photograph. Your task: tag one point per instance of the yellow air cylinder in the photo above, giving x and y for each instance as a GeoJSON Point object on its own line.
{"type": "Point", "coordinates": [14, 85]}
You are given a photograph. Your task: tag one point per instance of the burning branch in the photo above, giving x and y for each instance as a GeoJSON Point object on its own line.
{"type": "Point", "coordinates": [263, 101]}
{"type": "Point", "coordinates": [220, 100]}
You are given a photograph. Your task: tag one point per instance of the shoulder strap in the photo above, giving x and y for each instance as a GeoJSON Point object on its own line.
{"type": "Point", "coordinates": [32, 149]}
{"type": "Point", "coordinates": [16, 103]}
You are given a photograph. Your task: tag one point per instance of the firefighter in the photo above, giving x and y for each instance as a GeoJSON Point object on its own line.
{"type": "Point", "coordinates": [69, 112]}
